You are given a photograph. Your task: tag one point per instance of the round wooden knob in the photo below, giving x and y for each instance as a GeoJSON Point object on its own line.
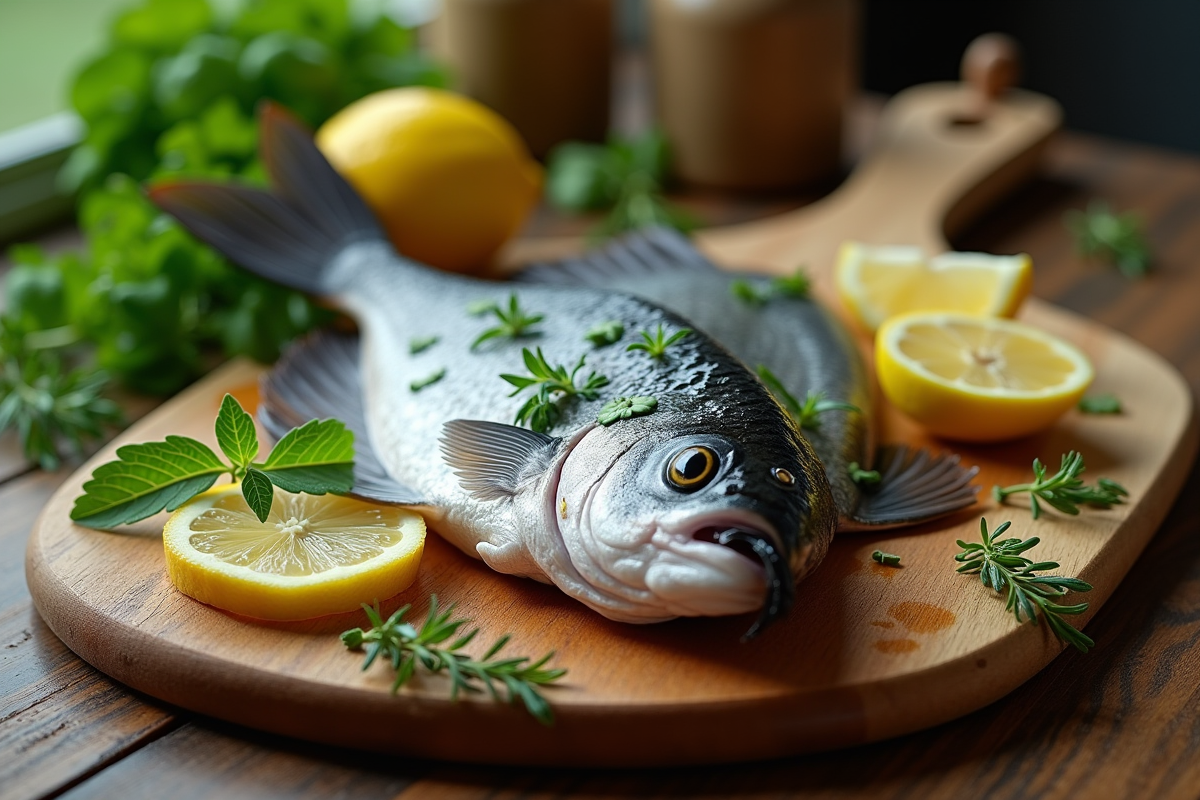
{"type": "Point", "coordinates": [991, 65]}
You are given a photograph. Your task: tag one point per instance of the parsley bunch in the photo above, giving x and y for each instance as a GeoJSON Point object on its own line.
{"type": "Point", "coordinates": [316, 458]}
{"type": "Point", "coordinates": [406, 646]}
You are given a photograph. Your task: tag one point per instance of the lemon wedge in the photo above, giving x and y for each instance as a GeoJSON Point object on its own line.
{"type": "Point", "coordinates": [877, 283]}
{"type": "Point", "coordinates": [314, 555]}
{"type": "Point", "coordinates": [978, 379]}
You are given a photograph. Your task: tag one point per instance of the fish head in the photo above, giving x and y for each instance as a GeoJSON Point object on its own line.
{"type": "Point", "coordinates": [689, 513]}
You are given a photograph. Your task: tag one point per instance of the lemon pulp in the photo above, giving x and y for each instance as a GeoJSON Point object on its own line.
{"type": "Point", "coordinates": [877, 283]}
{"type": "Point", "coordinates": [977, 378]}
{"type": "Point", "coordinates": [314, 555]}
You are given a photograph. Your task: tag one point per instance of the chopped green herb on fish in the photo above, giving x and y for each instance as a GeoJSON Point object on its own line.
{"type": "Point", "coordinates": [430, 379]}
{"type": "Point", "coordinates": [806, 414]}
{"type": "Point", "coordinates": [514, 323]}
{"type": "Point", "coordinates": [793, 287]}
{"type": "Point", "coordinates": [481, 308]}
{"type": "Point", "coordinates": [606, 333]}
{"type": "Point", "coordinates": [550, 384]}
{"type": "Point", "coordinates": [655, 344]}
{"type": "Point", "coordinates": [863, 477]}
{"type": "Point", "coordinates": [625, 408]}
{"type": "Point", "coordinates": [1064, 490]}
{"type": "Point", "coordinates": [422, 343]}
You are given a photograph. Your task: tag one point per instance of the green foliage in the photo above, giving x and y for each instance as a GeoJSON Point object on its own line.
{"type": "Point", "coordinates": [863, 477]}
{"type": "Point", "coordinates": [420, 344]}
{"type": "Point", "coordinates": [887, 559]}
{"type": "Point", "coordinates": [173, 96]}
{"type": "Point", "coordinates": [405, 646]}
{"type": "Point", "coordinates": [550, 383]}
{"type": "Point", "coordinates": [626, 176]}
{"type": "Point", "coordinates": [514, 322]}
{"type": "Point", "coordinates": [428, 380]}
{"type": "Point", "coordinates": [1115, 238]}
{"type": "Point", "coordinates": [1065, 490]}
{"type": "Point", "coordinates": [316, 458]}
{"type": "Point", "coordinates": [806, 414]}
{"type": "Point", "coordinates": [757, 293]}
{"type": "Point", "coordinates": [1001, 567]}
{"type": "Point", "coordinates": [605, 333]}
{"type": "Point", "coordinates": [1107, 403]}
{"type": "Point", "coordinates": [655, 344]}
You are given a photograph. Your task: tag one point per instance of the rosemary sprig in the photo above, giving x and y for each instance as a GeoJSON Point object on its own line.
{"type": "Point", "coordinates": [806, 414]}
{"type": "Point", "coordinates": [550, 384]}
{"type": "Point", "coordinates": [1116, 238]}
{"type": "Point", "coordinates": [655, 344]}
{"type": "Point", "coordinates": [1065, 490]}
{"type": "Point", "coordinates": [514, 322]}
{"type": "Point", "coordinates": [405, 646]}
{"type": "Point", "coordinates": [1001, 567]}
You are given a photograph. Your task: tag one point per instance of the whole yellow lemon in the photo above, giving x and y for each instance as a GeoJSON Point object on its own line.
{"type": "Point", "coordinates": [449, 179]}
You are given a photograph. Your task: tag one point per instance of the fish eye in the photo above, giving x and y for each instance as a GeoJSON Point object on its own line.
{"type": "Point", "coordinates": [692, 468]}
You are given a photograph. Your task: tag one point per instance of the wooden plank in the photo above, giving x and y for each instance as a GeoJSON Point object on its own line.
{"type": "Point", "coordinates": [210, 760]}
{"type": "Point", "coordinates": [60, 719]}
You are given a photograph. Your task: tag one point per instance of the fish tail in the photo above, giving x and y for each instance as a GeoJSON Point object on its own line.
{"type": "Point", "coordinates": [291, 234]}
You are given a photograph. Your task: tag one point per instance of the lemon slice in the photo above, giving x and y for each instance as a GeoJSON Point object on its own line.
{"type": "Point", "coordinates": [877, 283]}
{"type": "Point", "coordinates": [314, 555]}
{"type": "Point", "coordinates": [978, 379]}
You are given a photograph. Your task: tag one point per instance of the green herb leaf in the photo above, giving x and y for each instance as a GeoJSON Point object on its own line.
{"type": "Point", "coordinates": [316, 458]}
{"type": "Point", "coordinates": [605, 333]}
{"type": "Point", "coordinates": [551, 383]}
{"type": "Point", "coordinates": [747, 292]}
{"type": "Point", "coordinates": [422, 343]}
{"type": "Point", "coordinates": [1002, 568]}
{"type": "Point", "coordinates": [887, 559]}
{"type": "Point", "coordinates": [863, 477]}
{"type": "Point", "coordinates": [625, 408]}
{"type": "Point", "coordinates": [655, 344]}
{"type": "Point", "coordinates": [236, 435]}
{"type": "Point", "coordinates": [1064, 491]}
{"type": "Point", "coordinates": [758, 292]}
{"type": "Point", "coordinates": [404, 646]}
{"type": "Point", "coordinates": [806, 414]}
{"type": "Point", "coordinates": [1100, 404]}
{"type": "Point", "coordinates": [481, 308]}
{"type": "Point", "coordinates": [257, 489]}
{"type": "Point", "coordinates": [145, 479]}
{"type": "Point", "coordinates": [1115, 238]}
{"type": "Point", "coordinates": [428, 380]}
{"type": "Point", "coordinates": [795, 286]}
{"type": "Point", "coordinates": [514, 323]}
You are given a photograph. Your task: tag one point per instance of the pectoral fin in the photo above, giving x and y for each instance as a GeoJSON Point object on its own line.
{"type": "Point", "coordinates": [492, 460]}
{"type": "Point", "coordinates": [915, 485]}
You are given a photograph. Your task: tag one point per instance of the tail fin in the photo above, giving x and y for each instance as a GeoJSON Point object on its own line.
{"type": "Point", "coordinates": [289, 235]}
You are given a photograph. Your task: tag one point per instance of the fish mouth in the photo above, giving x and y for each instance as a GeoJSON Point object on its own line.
{"type": "Point", "coordinates": [760, 547]}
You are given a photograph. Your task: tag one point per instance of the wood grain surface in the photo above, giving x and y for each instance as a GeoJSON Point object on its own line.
{"type": "Point", "coordinates": [1119, 722]}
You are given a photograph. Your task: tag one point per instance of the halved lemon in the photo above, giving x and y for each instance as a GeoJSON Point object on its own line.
{"type": "Point", "coordinates": [978, 379]}
{"type": "Point", "coordinates": [314, 555]}
{"type": "Point", "coordinates": [877, 283]}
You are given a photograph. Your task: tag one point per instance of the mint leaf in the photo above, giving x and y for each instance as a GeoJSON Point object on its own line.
{"type": "Point", "coordinates": [236, 434]}
{"type": "Point", "coordinates": [146, 478]}
{"type": "Point", "coordinates": [257, 489]}
{"type": "Point", "coordinates": [316, 458]}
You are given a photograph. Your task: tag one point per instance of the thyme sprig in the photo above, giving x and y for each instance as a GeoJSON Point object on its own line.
{"type": "Point", "coordinates": [514, 322]}
{"type": "Point", "coordinates": [550, 383]}
{"type": "Point", "coordinates": [1001, 567]}
{"type": "Point", "coordinates": [1065, 490]}
{"type": "Point", "coordinates": [806, 414]}
{"type": "Point", "coordinates": [655, 344]}
{"type": "Point", "coordinates": [405, 646]}
{"type": "Point", "coordinates": [1116, 238]}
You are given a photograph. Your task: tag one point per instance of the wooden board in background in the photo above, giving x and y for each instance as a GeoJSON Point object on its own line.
{"type": "Point", "coordinates": [869, 652]}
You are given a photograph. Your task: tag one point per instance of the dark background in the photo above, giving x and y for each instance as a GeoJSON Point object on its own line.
{"type": "Point", "coordinates": [1129, 69]}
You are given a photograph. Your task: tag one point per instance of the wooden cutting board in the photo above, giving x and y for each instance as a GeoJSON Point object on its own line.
{"type": "Point", "coordinates": [868, 652]}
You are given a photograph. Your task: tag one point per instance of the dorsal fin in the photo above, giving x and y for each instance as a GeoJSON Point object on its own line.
{"type": "Point", "coordinates": [491, 459]}
{"type": "Point", "coordinates": [320, 377]}
{"type": "Point", "coordinates": [646, 252]}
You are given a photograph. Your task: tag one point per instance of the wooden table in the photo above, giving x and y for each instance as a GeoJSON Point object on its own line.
{"type": "Point", "coordinates": [1123, 721]}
